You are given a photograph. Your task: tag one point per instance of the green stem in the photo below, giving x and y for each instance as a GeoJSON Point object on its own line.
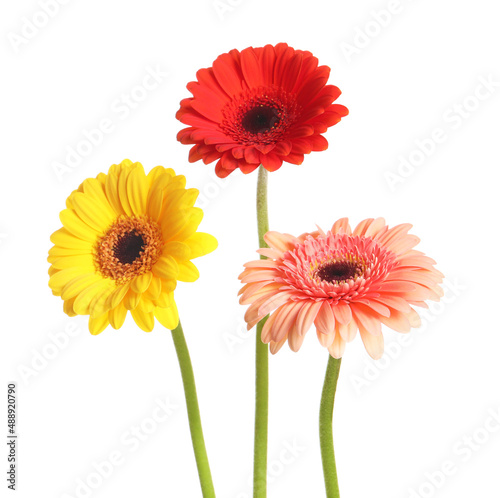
{"type": "Point", "coordinates": [326, 430]}
{"type": "Point", "coordinates": [193, 409]}
{"type": "Point", "coordinates": [261, 363]}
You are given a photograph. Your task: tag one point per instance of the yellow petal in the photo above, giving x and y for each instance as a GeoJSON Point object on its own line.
{"type": "Point", "coordinates": [118, 295]}
{"type": "Point", "coordinates": [95, 189]}
{"type": "Point", "coordinates": [82, 302]}
{"type": "Point", "coordinates": [155, 198]}
{"type": "Point", "coordinates": [190, 227]}
{"type": "Point", "coordinates": [98, 305]}
{"type": "Point", "coordinates": [154, 289]}
{"type": "Point", "coordinates": [77, 227]}
{"type": "Point", "coordinates": [111, 189]}
{"type": "Point", "coordinates": [117, 316]}
{"type": "Point", "coordinates": [64, 238]}
{"type": "Point", "coordinates": [137, 190]}
{"type": "Point", "coordinates": [131, 300]}
{"type": "Point", "coordinates": [122, 192]}
{"type": "Point", "coordinates": [188, 272]}
{"type": "Point", "coordinates": [168, 317]}
{"type": "Point", "coordinates": [68, 307]}
{"type": "Point", "coordinates": [200, 244]}
{"type": "Point", "coordinates": [160, 172]}
{"type": "Point", "coordinates": [168, 285]}
{"type": "Point", "coordinates": [79, 284]}
{"type": "Point", "coordinates": [61, 278]}
{"type": "Point", "coordinates": [178, 250]}
{"type": "Point", "coordinates": [97, 325]}
{"type": "Point", "coordinates": [84, 262]}
{"type": "Point", "coordinates": [166, 267]}
{"type": "Point", "coordinates": [172, 225]}
{"type": "Point", "coordinates": [146, 321]}
{"type": "Point", "coordinates": [145, 305]}
{"type": "Point", "coordinates": [92, 212]}
{"type": "Point", "coordinates": [189, 197]}
{"type": "Point", "coordinates": [141, 283]}
{"type": "Point", "coordinates": [58, 252]}
{"type": "Point", "coordinates": [164, 300]}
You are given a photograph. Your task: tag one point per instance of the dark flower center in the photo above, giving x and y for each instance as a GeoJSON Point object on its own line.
{"type": "Point", "coordinates": [128, 247]}
{"type": "Point", "coordinates": [261, 119]}
{"type": "Point", "coordinates": [339, 271]}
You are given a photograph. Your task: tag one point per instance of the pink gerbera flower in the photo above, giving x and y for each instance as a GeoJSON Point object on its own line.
{"type": "Point", "coordinates": [342, 281]}
{"type": "Point", "coordinates": [262, 105]}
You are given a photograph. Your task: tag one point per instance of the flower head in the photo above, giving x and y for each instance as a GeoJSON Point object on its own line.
{"type": "Point", "coordinates": [259, 106]}
{"type": "Point", "coordinates": [342, 281]}
{"type": "Point", "coordinates": [127, 238]}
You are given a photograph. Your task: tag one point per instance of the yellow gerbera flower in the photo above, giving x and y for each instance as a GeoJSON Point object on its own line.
{"type": "Point", "coordinates": [127, 238]}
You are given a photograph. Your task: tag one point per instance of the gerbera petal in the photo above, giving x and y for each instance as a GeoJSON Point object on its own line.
{"type": "Point", "coordinates": [79, 284]}
{"type": "Point", "coordinates": [137, 190]}
{"type": "Point", "coordinates": [188, 272]}
{"type": "Point", "coordinates": [131, 300]}
{"type": "Point", "coordinates": [325, 320]}
{"type": "Point", "coordinates": [348, 332]}
{"type": "Point", "coordinates": [76, 226]}
{"type": "Point", "coordinates": [284, 321]}
{"type": "Point", "coordinates": [145, 321]}
{"type": "Point", "coordinates": [166, 267]}
{"type": "Point", "coordinates": [342, 313]}
{"type": "Point", "coordinates": [200, 244]}
{"type": "Point", "coordinates": [307, 315]}
{"type": "Point", "coordinates": [97, 325]}
{"type": "Point", "coordinates": [168, 317]}
{"type": "Point", "coordinates": [274, 347]}
{"type": "Point", "coordinates": [117, 316]}
{"type": "Point", "coordinates": [337, 348]}
{"type": "Point", "coordinates": [326, 339]}
{"type": "Point", "coordinates": [366, 319]}
{"type": "Point", "coordinates": [341, 226]}
{"type": "Point", "coordinates": [250, 68]}
{"type": "Point", "coordinates": [178, 250]}
{"type": "Point", "coordinates": [64, 238]}
{"type": "Point", "coordinates": [295, 340]}
{"type": "Point", "coordinates": [281, 241]}
{"type": "Point", "coordinates": [141, 283]}
{"type": "Point", "coordinates": [374, 344]}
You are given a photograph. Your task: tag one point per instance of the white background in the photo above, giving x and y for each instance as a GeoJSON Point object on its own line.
{"type": "Point", "coordinates": [394, 420]}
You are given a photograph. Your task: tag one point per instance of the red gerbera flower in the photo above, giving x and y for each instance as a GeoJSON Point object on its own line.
{"type": "Point", "coordinates": [259, 106]}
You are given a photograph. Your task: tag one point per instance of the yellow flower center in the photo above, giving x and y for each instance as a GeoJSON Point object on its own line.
{"type": "Point", "coordinates": [129, 248]}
